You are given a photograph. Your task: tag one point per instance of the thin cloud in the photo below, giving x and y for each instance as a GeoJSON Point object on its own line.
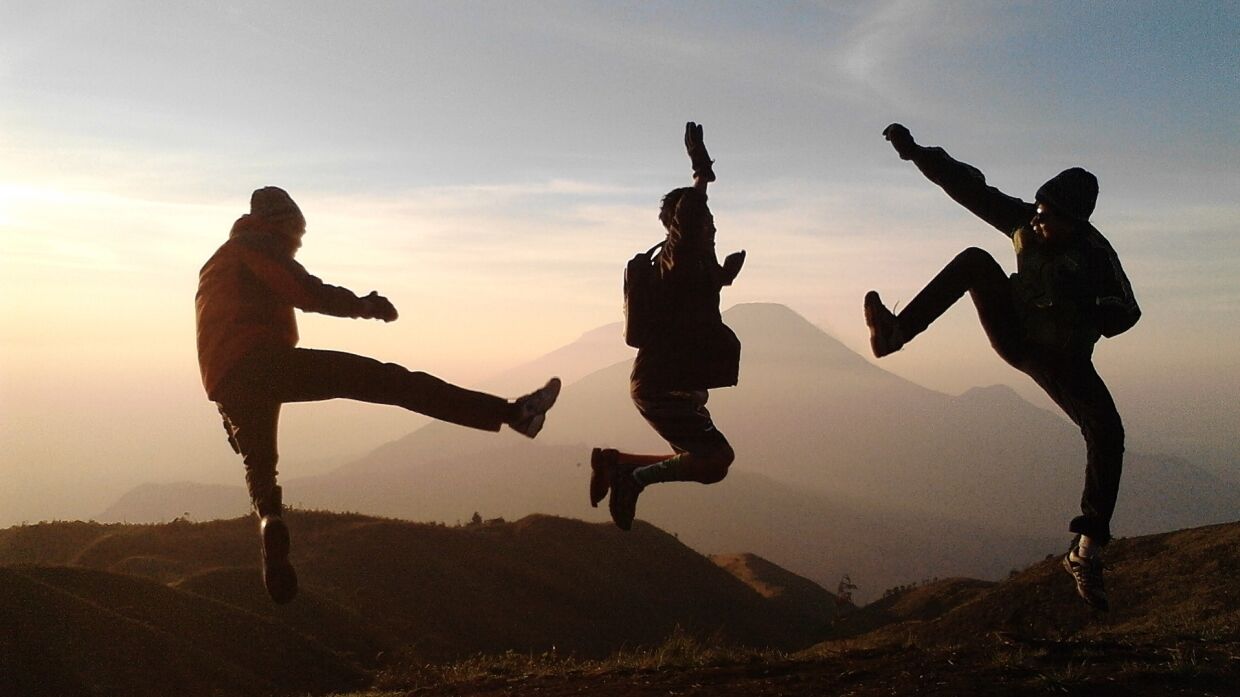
{"type": "Point", "coordinates": [885, 51]}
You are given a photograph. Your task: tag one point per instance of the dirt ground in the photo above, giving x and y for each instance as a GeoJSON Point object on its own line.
{"type": "Point", "coordinates": [1008, 667]}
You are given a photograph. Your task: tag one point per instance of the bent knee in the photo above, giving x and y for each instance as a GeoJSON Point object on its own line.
{"type": "Point", "coordinates": [715, 464]}
{"type": "Point", "coordinates": [974, 256]}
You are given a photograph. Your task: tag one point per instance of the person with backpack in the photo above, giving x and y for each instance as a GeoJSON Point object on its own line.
{"type": "Point", "coordinates": [250, 363]}
{"type": "Point", "coordinates": [1068, 291]}
{"type": "Point", "coordinates": [684, 349]}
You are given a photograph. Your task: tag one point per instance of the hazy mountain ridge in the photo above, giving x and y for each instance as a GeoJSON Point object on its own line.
{"type": "Point", "coordinates": [818, 534]}
{"type": "Point", "coordinates": [818, 419]}
{"type": "Point", "coordinates": [831, 450]}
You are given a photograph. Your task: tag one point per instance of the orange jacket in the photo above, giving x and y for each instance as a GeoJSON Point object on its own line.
{"type": "Point", "coordinates": [246, 294]}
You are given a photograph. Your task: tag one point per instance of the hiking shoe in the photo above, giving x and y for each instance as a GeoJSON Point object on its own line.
{"type": "Point", "coordinates": [885, 334]}
{"type": "Point", "coordinates": [1087, 572]}
{"type": "Point", "coordinates": [624, 492]}
{"type": "Point", "coordinates": [278, 574]}
{"type": "Point", "coordinates": [602, 462]}
{"type": "Point", "coordinates": [530, 411]}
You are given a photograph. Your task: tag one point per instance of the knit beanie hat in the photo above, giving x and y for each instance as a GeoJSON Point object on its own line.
{"type": "Point", "coordinates": [1072, 192]}
{"type": "Point", "coordinates": [272, 202]}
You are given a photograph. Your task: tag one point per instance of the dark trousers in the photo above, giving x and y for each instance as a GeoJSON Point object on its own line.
{"type": "Point", "coordinates": [680, 417]}
{"type": "Point", "coordinates": [250, 397]}
{"type": "Point", "coordinates": [1067, 376]}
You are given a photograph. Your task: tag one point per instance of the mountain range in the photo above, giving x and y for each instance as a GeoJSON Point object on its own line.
{"type": "Point", "coordinates": [841, 467]}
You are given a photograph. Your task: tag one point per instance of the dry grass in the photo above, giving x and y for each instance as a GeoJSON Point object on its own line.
{"type": "Point", "coordinates": [467, 595]}
{"type": "Point", "coordinates": [680, 651]}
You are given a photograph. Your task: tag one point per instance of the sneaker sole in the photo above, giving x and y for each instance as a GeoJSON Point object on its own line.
{"type": "Point", "coordinates": [1101, 605]}
{"type": "Point", "coordinates": [874, 305]}
{"type": "Point", "coordinates": [871, 300]}
{"type": "Point", "coordinates": [540, 404]}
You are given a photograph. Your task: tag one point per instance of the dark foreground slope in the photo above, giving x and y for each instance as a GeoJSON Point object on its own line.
{"type": "Point", "coordinates": [1174, 630]}
{"type": "Point", "coordinates": [178, 608]}
{"type": "Point", "coordinates": [70, 631]}
{"type": "Point", "coordinates": [1184, 584]}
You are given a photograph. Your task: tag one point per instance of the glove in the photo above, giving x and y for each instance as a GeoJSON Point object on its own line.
{"type": "Point", "coordinates": [732, 266]}
{"type": "Point", "coordinates": [379, 307]}
{"type": "Point", "coordinates": [696, 147]}
{"type": "Point", "coordinates": [901, 140]}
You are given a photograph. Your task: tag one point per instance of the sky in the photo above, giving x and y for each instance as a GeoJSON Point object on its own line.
{"type": "Point", "coordinates": [490, 166]}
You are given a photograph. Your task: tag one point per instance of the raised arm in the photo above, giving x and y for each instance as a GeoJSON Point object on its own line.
{"type": "Point", "coordinates": [703, 174]}
{"type": "Point", "coordinates": [703, 166]}
{"type": "Point", "coordinates": [964, 183]}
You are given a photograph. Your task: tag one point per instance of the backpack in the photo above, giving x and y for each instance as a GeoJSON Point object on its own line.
{"type": "Point", "coordinates": [1117, 310]}
{"type": "Point", "coordinates": [641, 303]}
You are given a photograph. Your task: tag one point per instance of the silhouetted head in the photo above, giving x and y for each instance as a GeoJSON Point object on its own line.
{"type": "Point", "coordinates": [273, 210]}
{"type": "Point", "coordinates": [684, 212]}
{"type": "Point", "coordinates": [1065, 203]}
{"type": "Point", "coordinates": [272, 202]}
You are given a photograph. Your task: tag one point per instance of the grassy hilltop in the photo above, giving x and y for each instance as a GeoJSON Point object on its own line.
{"type": "Point", "coordinates": [552, 606]}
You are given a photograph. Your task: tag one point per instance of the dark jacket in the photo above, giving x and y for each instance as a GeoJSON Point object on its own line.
{"type": "Point", "coordinates": [1069, 293]}
{"type": "Point", "coordinates": [690, 347]}
{"type": "Point", "coordinates": [247, 291]}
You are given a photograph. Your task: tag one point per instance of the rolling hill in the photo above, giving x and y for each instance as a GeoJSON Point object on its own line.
{"type": "Point", "coordinates": [1174, 629]}
{"type": "Point", "coordinates": [372, 584]}
{"type": "Point", "coordinates": [177, 609]}
{"type": "Point", "coordinates": [77, 631]}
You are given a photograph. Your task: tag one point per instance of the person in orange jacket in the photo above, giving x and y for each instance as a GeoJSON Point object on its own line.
{"type": "Point", "coordinates": [250, 363]}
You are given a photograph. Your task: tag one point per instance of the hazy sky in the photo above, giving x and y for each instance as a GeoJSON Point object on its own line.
{"type": "Point", "coordinates": [491, 166]}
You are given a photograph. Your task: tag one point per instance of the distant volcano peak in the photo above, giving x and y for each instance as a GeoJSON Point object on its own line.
{"type": "Point", "coordinates": [775, 329]}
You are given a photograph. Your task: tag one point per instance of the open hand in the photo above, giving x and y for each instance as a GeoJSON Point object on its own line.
{"type": "Point", "coordinates": [901, 140]}
{"type": "Point", "coordinates": [379, 307]}
{"type": "Point", "coordinates": [732, 265]}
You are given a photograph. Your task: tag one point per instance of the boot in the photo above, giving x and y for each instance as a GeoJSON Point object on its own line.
{"type": "Point", "coordinates": [279, 577]}
{"type": "Point", "coordinates": [602, 461]}
{"type": "Point", "coordinates": [885, 334]}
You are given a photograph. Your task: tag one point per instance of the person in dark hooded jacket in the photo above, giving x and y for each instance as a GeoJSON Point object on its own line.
{"type": "Point", "coordinates": [689, 351]}
{"type": "Point", "coordinates": [1068, 291]}
{"type": "Point", "coordinates": [250, 364]}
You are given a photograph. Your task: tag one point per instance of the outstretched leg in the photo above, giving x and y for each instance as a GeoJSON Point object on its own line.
{"type": "Point", "coordinates": [250, 400]}
{"type": "Point", "coordinates": [973, 271]}
{"type": "Point", "coordinates": [309, 375]}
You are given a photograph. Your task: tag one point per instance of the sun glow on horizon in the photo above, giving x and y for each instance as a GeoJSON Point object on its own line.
{"type": "Point", "coordinates": [492, 171]}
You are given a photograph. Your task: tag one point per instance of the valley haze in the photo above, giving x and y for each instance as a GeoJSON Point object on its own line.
{"type": "Point", "coordinates": [831, 450]}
